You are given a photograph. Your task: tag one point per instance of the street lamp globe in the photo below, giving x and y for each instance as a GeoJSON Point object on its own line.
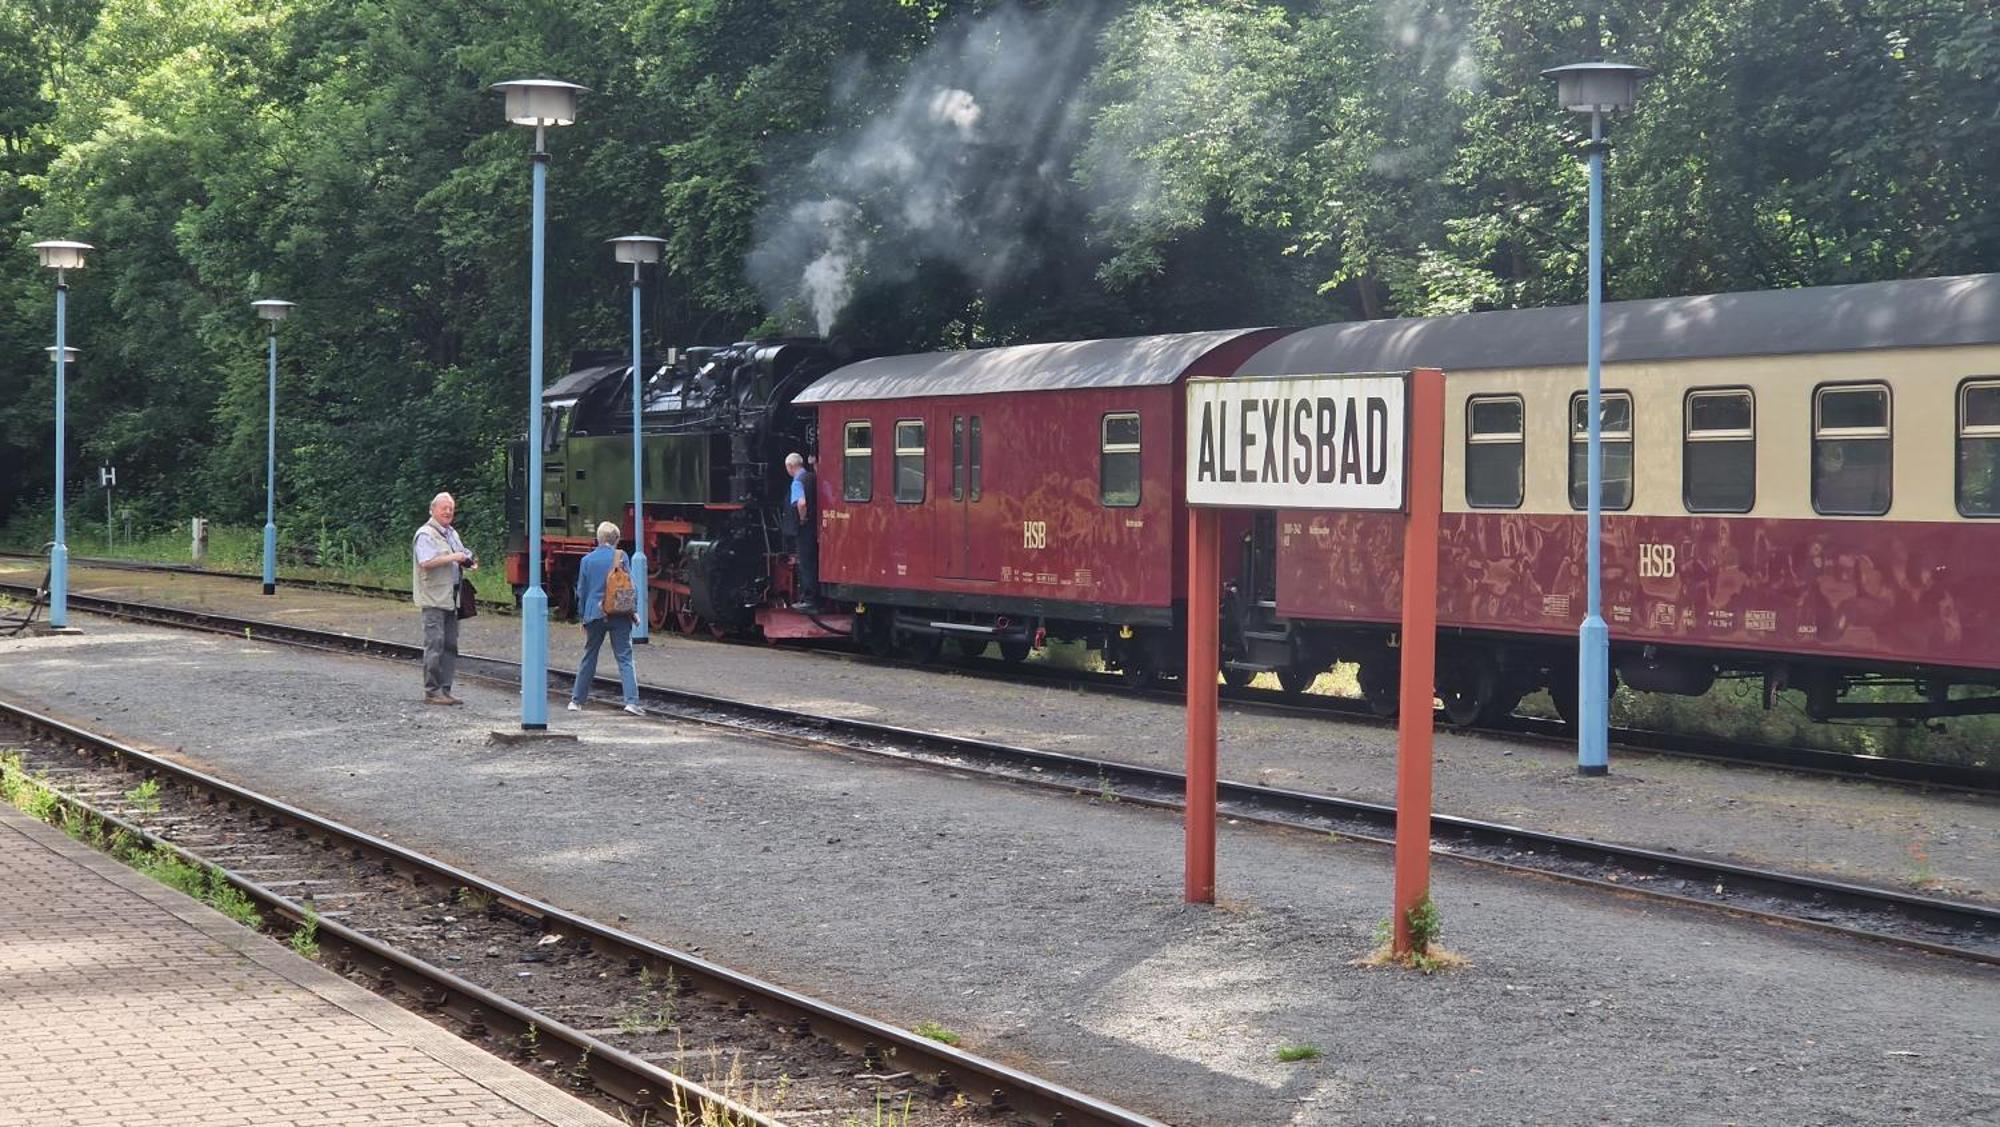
{"type": "Point", "coordinates": [68, 354]}
{"type": "Point", "coordinates": [62, 254]}
{"type": "Point", "coordinates": [272, 309]}
{"type": "Point", "coordinates": [539, 102]}
{"type": "Point", "coordinates": [637, 249]}
{"type": "Point", "coordinates": [1599, 88]}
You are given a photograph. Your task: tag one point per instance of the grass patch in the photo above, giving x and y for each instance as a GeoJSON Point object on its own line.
{"type": "Point", "coordinates": [936, 1032]}
{"type": "Point", "coordinates": [145, 797]}
{"type": "Point", "coordinates": [305, 938]}
{"type": "Point", "coordinates": [1290, 1052]}
{"type": "Point", "coordinates": [1426, 954]}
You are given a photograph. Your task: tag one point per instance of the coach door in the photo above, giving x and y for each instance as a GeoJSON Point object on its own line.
{"type": "Point", "coordinates": [963, 499]}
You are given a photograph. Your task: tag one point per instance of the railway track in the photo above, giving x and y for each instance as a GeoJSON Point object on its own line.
{"type": "Point", "coordinates": [1944, 927]}
{"type": "Point", "coordinates": [1905, 772]}
{"type": "Point", "coordinates": [394, 919]}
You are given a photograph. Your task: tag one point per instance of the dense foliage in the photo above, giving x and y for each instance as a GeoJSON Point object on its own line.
{"type": "Point", "coordinates": [913, 174]}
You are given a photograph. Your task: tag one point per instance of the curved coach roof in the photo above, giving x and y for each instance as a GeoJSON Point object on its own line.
{"type": "Point", "coordinates": [1922, 312]}
{"type": "Point", "coordinates": [1123, 362]}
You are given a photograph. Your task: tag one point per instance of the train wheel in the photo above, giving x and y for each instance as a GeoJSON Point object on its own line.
{"type": "Point", "coordinates": [685, 621]}
{"type": "Point", "coordinates": [924, 648]}
{"type": "Point", "coordinates": [718, 631]}
{"type": "Point", "coordinates": [1466, 685]}
{"type": "Point", "coordinates": [1140, 666]}
{"type": "Point", "coordinates": [657, 612]}
{"type": "Point", "coordinates": [1502, 706]}
{"type": "Point", "coordinates": [1237, 677]}
{"type": "Point", "coordinates": [970, 647]}
{"type": "Point", "coordinates": [1380, 679]}
{"type": "Point", "coordinates": [1014, 653]}
{"type": "Point", "coordinates": [1296, 679]}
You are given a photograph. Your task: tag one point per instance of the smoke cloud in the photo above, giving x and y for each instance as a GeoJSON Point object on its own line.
{"type": "Point", "coordinates": [975, 147]}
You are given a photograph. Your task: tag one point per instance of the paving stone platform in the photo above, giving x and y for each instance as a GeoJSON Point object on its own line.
{"type": "Point", "coordinates": [124, 1002]}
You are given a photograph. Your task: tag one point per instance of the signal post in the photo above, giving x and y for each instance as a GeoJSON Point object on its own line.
{"type": "Point", "coordinates": [1372, 442]}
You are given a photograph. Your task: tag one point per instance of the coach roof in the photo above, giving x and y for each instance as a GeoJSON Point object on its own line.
{"type": "Point", "coordinates": [1917, 313]}
{"type": "Point", "coordinates": [1124, 362]}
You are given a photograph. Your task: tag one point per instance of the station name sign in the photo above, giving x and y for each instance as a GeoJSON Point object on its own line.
{"type": "Point", "coordinates": [1298, 442]}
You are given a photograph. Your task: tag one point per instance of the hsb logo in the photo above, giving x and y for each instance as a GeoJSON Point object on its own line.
{"type": "Point", "coordinates": [1656, 561]}
{"type": "Point", "coordinates": [1034, 534]}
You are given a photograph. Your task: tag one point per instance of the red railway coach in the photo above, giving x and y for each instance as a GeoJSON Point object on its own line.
{"type": "Point", "coordinates": [1799, 485]}
{"type": "Point", "coordinates": [1002, 495]}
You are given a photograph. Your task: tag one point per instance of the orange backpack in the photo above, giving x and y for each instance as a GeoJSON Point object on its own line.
{"type": "Point", "coordinates": [620, 597]}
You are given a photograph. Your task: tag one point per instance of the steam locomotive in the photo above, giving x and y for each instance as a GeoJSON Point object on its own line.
{"type": "Point", "coordinates": [716, 424]}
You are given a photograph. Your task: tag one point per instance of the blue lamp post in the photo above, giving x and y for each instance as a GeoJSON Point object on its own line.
{"type": "Point", "coordinates": [1598, 89]}
{"type": "Point", "coordinates": [274, 311]}
{"type": "Point", "coordinates": [537, 103]}
{"type": "Point", "coordinates": [62, 256]}
{"type": "Point", "coordinates": [638, 250]}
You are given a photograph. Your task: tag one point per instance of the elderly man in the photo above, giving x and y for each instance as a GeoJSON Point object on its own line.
{"type": "Point", "coordinates": [437, 554]}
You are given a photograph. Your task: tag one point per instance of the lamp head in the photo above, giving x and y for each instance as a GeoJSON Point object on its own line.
{"type": "Point", "coordinates": [1600, 87]}
{"type": "Point", "coordinates": [537, 102]}
{"type": "Point", "coordinates": [271, 309]}
{"type": "Point", "coordinates": [62, 254]}
{"type": "Point", "coordinates": [637, 248]}
{"type": "Point", "coordinates": [69, 354]}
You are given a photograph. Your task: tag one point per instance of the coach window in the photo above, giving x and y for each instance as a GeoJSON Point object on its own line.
{"type": "Point", "coordinates": [978, 456]}
{"type": "Point", "coordinates": [1495, 448]}
{"type": "Point", "coordinates": [1851, 467]}
{"type": "Point", "coordinates": [857, 465]}
{"type": "Point", "coordinates": [1118, 461]}
{"type": "Point", "coordinates": [1615, 433]}
{"type": "Point", "coordinates": [1719, 452]}
{"type": "Point", "coordinates": [910, 460]}
{"type": "Point", "coordinates": [1979, 448]}
{"type": "Point", "coordinates": [958, 457]}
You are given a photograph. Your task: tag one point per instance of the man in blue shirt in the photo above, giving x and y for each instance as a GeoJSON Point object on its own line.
{"type": "Point", "coordinates": [805, 510]}
{"type": "Point", "coordinates": [591, 575]}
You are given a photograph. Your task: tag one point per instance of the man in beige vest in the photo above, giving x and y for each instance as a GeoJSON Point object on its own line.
{"type": "Point", "coordinates": [437, 554]}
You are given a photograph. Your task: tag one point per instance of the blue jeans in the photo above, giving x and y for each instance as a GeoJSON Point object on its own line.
{"type": "Point", "coordinates": [620, 629]}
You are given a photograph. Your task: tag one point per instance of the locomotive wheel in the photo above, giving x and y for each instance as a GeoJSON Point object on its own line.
{"type": "Point", "coordinates": [1380, 679]}
{"type": "Point", "coordinates": [1014, 653]}
{"type": "Point", "coordinates": [685, 621]}
{"type": "Point", "coordinates": [970, 647]}
{"type": "Point", "coordinates": [1237, 677]}
{"type": "Point", "coordinates": [1296, 679]}
{"type": "Point", "coordinates": [657, 613]}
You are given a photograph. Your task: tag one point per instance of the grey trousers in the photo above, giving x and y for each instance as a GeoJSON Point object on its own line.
{"type": "Point", "coordinates": [440, 648]}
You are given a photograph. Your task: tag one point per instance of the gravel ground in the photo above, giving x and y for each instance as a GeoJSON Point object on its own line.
{"type": "Point", "coordinates": [1858, 831]}
{"type": "Point", "coordinates": [1047, 929]}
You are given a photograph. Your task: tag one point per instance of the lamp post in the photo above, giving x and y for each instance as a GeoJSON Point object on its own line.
{"type": "Point", "coordinates": [1598, 89]}
{"type": "Point", "coordinates": [537, 103]}
{"type": "Point", "coordinates": [638, 250]}
{"type": "Point", "coordinates": [62, 256]}
{"type": "Point", "coordinates": [273, 311]}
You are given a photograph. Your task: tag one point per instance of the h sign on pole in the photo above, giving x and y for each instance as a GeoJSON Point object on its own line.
{"type": "Point", "coordinates": [1355, 442]}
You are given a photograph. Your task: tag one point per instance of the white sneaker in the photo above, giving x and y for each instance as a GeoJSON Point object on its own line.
{"type": "Point", "coordinates": [635, 710]}
{"type": "Point", "coordinates": [575, 707]}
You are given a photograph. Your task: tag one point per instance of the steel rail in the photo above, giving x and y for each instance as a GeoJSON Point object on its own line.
{"type": "Point", "coordinates": [949, 1070]}
{"type": "Point", "coordinates": [1839, 764]}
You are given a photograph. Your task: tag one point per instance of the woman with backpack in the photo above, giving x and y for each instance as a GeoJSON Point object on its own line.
{"type": "Point", "coordinates": [609, 602]}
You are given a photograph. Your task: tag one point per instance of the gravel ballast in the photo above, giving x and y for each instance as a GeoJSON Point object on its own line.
{"type": "Point", "coordinates": [1047, 930]}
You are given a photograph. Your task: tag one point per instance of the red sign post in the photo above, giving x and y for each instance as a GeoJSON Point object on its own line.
{"type": "Point", "coordinates": [1419, 641]}
{"type": "Point", "coordinates": [1363, 442]}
